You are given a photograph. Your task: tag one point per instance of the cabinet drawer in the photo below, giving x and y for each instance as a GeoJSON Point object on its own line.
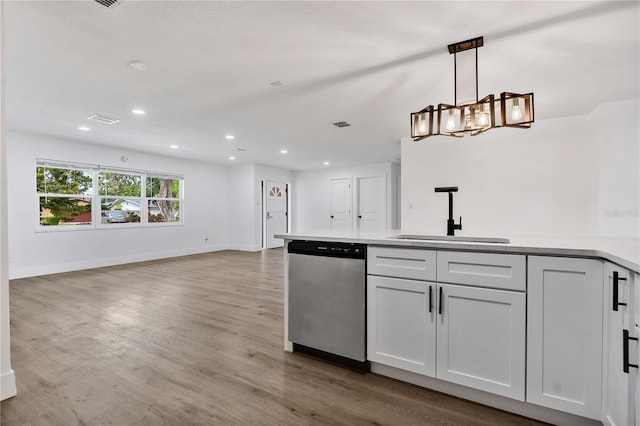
{"type": "Point", "coordinates": [402, 263]}
{"type": "Point", "coordinates": [502, 271]}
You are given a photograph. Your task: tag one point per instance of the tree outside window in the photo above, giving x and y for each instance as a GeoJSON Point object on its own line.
{"type": "Point", "coordinates": [163, 195]}
{"type": "Point", "coordinates": [64, 195]}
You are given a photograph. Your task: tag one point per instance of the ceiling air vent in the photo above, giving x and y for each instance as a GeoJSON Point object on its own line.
{"type": "Point", "coordinates": [341, 124]}
{"type": "Point", "coordinates": [109, 3]}
{"type": "Point", "coordinates": [103, 119]}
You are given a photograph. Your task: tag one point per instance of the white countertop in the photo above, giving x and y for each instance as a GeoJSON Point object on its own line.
{"type": "Point", "coordinates": [622, 251]}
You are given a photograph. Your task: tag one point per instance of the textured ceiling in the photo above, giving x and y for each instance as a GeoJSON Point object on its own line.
{"type": "Point", "coordinates": [210, 65]}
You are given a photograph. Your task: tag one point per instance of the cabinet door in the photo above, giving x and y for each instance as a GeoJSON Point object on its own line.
{"type": "Point", "coordinates": [618, 387]}
{"type": "Point", "coordinates": [401, 324]}
{"type": "Point", "coordinates": [481, 339]}
{"type": "Point", "coordinates": [564, 328]}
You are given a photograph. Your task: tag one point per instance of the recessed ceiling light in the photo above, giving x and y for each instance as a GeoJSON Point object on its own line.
{"type": "Point", "coordinates": [232, 158]}
{"type": "Point", "coordinates": [138, 111]}
{"type": "Point", "coordinates": [173, 146]}
{"type": "Point", "coordinates": [84, 128]}
{"type": "Point", "coordinates": [137, 65]}
{"type": "Point", "coordinates": [283, 151]}
{"type": "Point", "coordinates": [230, 137]}
{"type": "Point", "coordinates": [326, 163]}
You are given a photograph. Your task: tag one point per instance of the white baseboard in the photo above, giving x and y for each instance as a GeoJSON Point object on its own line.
{"type": "Point", "coordinates": [244, 247]}
{"type": "Point", "coordinates": [34, 271]}
{"type": "Point", "coordinates": [7, 385]}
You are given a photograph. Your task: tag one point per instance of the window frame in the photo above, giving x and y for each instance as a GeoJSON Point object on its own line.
{"type": "Point", "coordinates": [96, 198]}
{"type": "Point", "coordinates": [179, 199]}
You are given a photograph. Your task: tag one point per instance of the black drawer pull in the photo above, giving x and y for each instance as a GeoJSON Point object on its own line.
{"type": "Point", "coordinates": [625, 351]}
{"type": "Point", "coordinates": [616, 280]}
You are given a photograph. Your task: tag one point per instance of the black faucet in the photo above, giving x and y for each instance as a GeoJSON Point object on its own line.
{"type": "Point", "coordinates": [451, 225]}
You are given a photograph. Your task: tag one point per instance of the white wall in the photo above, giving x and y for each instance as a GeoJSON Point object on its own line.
{"type": "Point", "coordinates": [36, 253]}
{"type": "Point", "coordinates": [7, 376]}
{"type": "Point", "coordinates": [311, 193]}
{"type": "Point", "coordinates": [618, 139]}
{"type": "Point", "coordinates": [556, 179]}
{"type": "Point", "coordinates": [242, 208]}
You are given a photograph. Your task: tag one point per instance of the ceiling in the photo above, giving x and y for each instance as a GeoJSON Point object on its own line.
{"type": "Point", "coordinates": [210, 65]}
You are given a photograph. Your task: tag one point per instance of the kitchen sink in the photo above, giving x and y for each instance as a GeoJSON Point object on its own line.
{"type": "Point", "coordinates": [491, 240]}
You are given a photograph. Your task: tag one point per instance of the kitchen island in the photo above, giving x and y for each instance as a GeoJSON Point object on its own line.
{"type": "Point", "coordinates": [535, 326]}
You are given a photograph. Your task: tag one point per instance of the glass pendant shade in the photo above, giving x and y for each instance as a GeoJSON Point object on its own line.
{"type": "Point", "coordinates": [516, 110]}
{"type": "Point", "coordinates": [422, 123]}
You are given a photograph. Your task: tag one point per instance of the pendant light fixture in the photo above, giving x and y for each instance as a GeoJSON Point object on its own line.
{"type": "Point", "coordinates": [507, 110]}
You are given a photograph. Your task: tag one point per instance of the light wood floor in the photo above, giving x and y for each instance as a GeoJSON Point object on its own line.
{"type": "Point", "coordinates": [191, 340]}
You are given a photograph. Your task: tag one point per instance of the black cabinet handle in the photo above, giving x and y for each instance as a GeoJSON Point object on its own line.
{"type": "Point", "coordinates": [625, 351]}
{"type": "Point", "coordinates": [430, 299]}
{"type": "Point", "coordinates": [359, 217]}
{"type": "Point", "coordinates": [616, 280]}
{"type": "Point", "coordinates": [440, 302]}
{"type": "Point", "coordinates": [331, 216]}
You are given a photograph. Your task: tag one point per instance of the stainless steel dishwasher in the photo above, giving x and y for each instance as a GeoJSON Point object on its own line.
{"type": "Point", "coordinates": [327, 301]}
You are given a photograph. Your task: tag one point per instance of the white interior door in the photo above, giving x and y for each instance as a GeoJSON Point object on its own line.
{"type": "Point", "coordinates": [372, 203]}
{"type": "Point", "coordinates": [340, 204]}
{"type": "Point", "coordinates": [276, 204]}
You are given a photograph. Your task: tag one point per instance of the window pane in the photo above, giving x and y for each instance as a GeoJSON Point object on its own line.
{"type": "Point", "coordinates": [164, 211]}
{"type": "Point", "coordinates": [51, 180]}
{"type": "Point", "coordinates": [120, 184]}
{"type": "Point", "coordinates": [163, 187]}
{"type": "Point", "coordinates": [120, 210]}
{"type": "Point", "coordinates": [65, 211]}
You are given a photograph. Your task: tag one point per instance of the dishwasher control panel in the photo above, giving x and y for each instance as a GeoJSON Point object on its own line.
{"type": "Point", "coordinates": [324, 248]}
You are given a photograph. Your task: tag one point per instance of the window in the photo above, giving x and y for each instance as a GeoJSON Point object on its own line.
{"type": "Point", "coordinates": [120, 197]}
{"type": "Point", "coordinates": [75, 196]}
{"type": "Point", "coordinates": [64, 195]}
{"type": "Point", "coordinates": [163, 196]}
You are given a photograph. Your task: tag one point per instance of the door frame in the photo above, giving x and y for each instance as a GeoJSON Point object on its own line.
{"type": "Point", "coordinates": [263, 208]}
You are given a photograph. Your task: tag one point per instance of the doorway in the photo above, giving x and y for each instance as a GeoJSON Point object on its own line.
{"type": "Point", "coordinates": [276, 212]}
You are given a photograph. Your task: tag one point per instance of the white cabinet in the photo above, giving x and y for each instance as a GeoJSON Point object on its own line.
{"type": "Point", "coordinates": [564, 328]}
{"type": "Point", "coordinates": [481, 339]}
{"type": "Point", "coordinates": [469, 335]}
{"type": "Point", "coordinates": [620, 383]}
{"type": "Point", "coordinates": [401, 328]}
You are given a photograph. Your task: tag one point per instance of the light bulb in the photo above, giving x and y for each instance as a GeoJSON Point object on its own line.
{"type": "Point", "coordinates": [422, 124]}
{"type": "Point", "coordinates": [516, 113]}
{"type": "Point", "coordinates": [451, 124]}
{"type": "Point", "coordinates": [483, 116]}
{"type": "Point", "coordinates": [467, 120]}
